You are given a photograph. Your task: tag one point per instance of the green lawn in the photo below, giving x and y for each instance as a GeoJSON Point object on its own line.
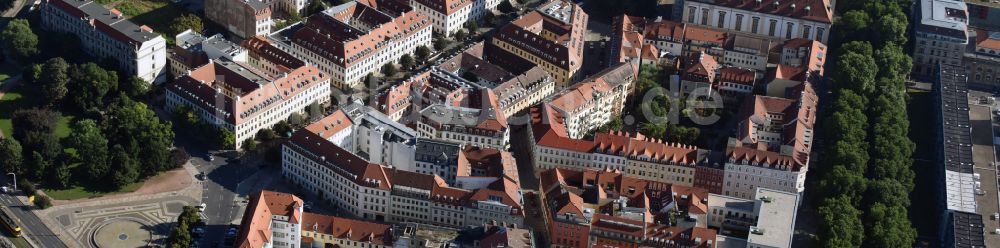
{"type": "Point", "coordinates": [80, 192]}
{"type": "Point", "coordinates": [16, 99]}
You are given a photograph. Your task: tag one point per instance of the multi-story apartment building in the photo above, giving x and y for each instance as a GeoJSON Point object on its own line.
{"type": "Point", "coordinates": [594, 101]}
{"type": "Point", "coordinates": [941, 35]}
{"type": "Point", "coordinates": [626, 212]}
{"type": "Point", "coordinates": [666, 35]}
{"type": "Point", "coordinates": [778, 20]}
{"type": "Point", "coordinates": [449, 16]}
{"type": "Point", "coordinates": [633, 154]}
{"type": "Point", "coordinates": [804, 52]}
{"type": "Point", "coordinates": [772, 143]}
{"type": "Point", "coordinates": [768, 218]}
{"type": "Point", "coordinates": [628, 42]}
{"type": "Point", "coordinates": [243, 18]}
{"type": "Point", "coordinates": [698, 40]}
{"type": "Point", "coordinates": [274, 219]}
{"type": "Point", "coordinates": [351, 40]}
{"type": "Point", "coordinates": [456, 78]}
{"type": "Point", "coordinates": [194, 50]}
{"type": "Point", "coordinates": [481, 127]}
{"type": "Point", "coordinates": [377, 192]}
{"type": "Point", "coordinates": [704, 75]}
{"type": "Point", "coordinates": [551, 37]}
{"type": "Point", "coordinates": [263, 55]}
{"type": "Point", "coordinates": [746, 52]}
{"type": "Point", "coordinates": [107, 33]}
{"type": "Point", "coordinates": [782, 77]}
{"type": "Point", "coordinates": [244, 100]}
{"type": "Point", "coordinates": [982, 58]}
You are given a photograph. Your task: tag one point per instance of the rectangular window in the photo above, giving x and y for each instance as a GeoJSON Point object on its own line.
{"type": "Point", "coordinates": [739, 22]}
{"type": "Point", "coordinates": [754, 24]}
{"type": "Point", "coordinates": [704, 17]}
{"type": "Point", "coordinates": [819, 34]}
{"type": "Point", "coordinates": [691, 11]}
{"type": "Point", "coordinates": [722, 19]}
{"type": "Point", "coordinates": [772, 28]}
{"type": "Point", "coordinates": [788, 30]}
{"type": "Point", "coordinates": [806, 31]}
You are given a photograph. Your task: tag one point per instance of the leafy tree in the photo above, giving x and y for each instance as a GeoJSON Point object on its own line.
{"type": "Point", "coordinates": [841, 224]}
{"type": "Point", "coordinates": [33, 73]}
{"type": "Point", "coordinates": [249, 145]}
{"type": "Point", "coordinates": [282, 128]}
{"type": "Point", "coordinates": [389, 69]}
{"type": "Point", "coordinates": [891, 28]}
{"type": "Point", "coordinates": [185, 22]}
{"type": "Point", "coordinates": [473, 27]}
{"type": "Point", "coordinates": [18, 37]}
{"type": "Point", "coordinates": [26, 121]}
{"type": "Point", "coordinates": [38, 165]}
{"type": "Point", "coordinates": [616, 124]}
{"type": "Point", "coordinates": [225, 139]}
{"type": "Point", "coordinates": [265, 135]}
{"type": "Point", "coordinates": [856, 72]}
{"type": "Point", "coordinates": [43, 201]}
{"type": "Point", "coordinates": [840, 181]}
{"type": "Point", "coordinates": [406, 61]}
{"type": "Point", "coordinates": [124, 168]}
{"type": "Point", "coordinates": [178, 157]}
{"type": "Point", "coordinates": [295, 119]}
{"type": "Point", "coordinates": [893, 62]}
{"type": "Point", "coordinates": [460, 35]}
{"type": "Point", "coordinates": [180, 237]}
{"type": "Point", "coordinates": [859, 47]}
{"type": "Point", "coordinates": [53, 78]}
{"type": "Point", "coordinates": [130, 122]}
{"type": "Point", "coordinates": [10, 151]}
{"type": "Point", "coordinates": [422, 53]}
{"type": "Point", "coordinates": [92, 148]}
{"type": "Point", "coordinates": [441, 43]}
{"type": "Point", "coordinates": [888, 226]}
{"type": "Point", "coordinates": [58, 174]}
{"type": "Point", "coordinates": [134, 87]}
{"type": "Point", "coordinates": [315, 111]}
{"type": "Point", "coordinates": [90, 83]}
{"type": "Point", "coordinates": [853, 22]}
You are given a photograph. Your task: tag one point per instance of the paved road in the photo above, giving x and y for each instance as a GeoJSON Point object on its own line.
{"type": "Point", "coordinates": [31, 226]}
{"type": "Point", "coordinates": [219, 195]}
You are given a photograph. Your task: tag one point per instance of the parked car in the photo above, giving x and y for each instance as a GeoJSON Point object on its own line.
{"type": "Point", "coordinates": [201, 207]}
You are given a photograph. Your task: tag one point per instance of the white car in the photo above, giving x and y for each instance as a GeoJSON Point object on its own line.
{"type": "Point", "coordinates": [201, 207]}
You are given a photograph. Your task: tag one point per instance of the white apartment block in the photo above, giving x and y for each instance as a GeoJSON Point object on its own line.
{"type": "Point", "coordinates": [448, 16]}
{"type": "Point", "coordinates": [469, 126]}
{"type": "Point", "coordinates": [748, 169]}
{"type": "Point", "coordinates": [107, 33]}
{"type": "Point", "coordinates": [373, 191]}
{"type": "Point", "coordinates": [779, 20]}
{"type": "Point", "coordinates": [244, 100]}
{"type": "Point", "coordinates": [746, 52]}
{"type": "Point", "coordinates": [351, 40]}
{"type": "Point", "coordinates": [590, 104]}
{"type": "Point", "coordinates": [941, 35]}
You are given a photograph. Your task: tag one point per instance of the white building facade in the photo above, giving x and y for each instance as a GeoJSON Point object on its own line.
{"type": "Point", "coordinates": [106, 33]}
{"type": "Point", "coordinates": [448, 16]}
{"type": "Point", "coordinates": [780, 20]}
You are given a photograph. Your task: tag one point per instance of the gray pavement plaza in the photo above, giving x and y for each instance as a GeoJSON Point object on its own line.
{"type": "Point", "coordinates": [142, 222]}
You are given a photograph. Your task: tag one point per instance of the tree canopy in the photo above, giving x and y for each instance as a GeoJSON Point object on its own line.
{"type": "Point", "coordinates": [18, 37]}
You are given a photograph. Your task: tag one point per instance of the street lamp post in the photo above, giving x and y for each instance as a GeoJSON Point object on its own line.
{"type": "Point", "coordinates": [15, 179]}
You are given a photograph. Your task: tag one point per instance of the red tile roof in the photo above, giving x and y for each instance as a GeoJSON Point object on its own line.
{"type": "Point", "coordinates": [349, 229]}
{"type": "Point", "coordinates": [702, 34]}
{"type": "Point", "coordinates": [255, 228]}
{"type": "Point", "coordinates": [566, 48]}
{"type": "Point", "coordinates": [987, 39]}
